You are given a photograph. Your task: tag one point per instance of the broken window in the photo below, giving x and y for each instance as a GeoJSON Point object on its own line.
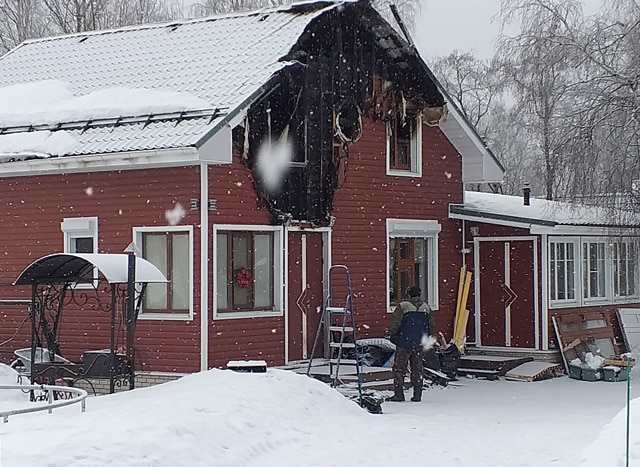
{"type": "Point", "coordinates": [404, 149]}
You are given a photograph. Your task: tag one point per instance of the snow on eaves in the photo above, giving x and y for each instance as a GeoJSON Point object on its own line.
{"type": "Point", "coordinates": [544, 211]}
{"type": "Point", "coordinates": [36, 144]}
{"type": "Point", "coordinates": [51, 101]}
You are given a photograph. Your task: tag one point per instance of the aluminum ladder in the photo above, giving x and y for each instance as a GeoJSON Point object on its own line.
{"type": "Point", "coordinates": [338, 325]}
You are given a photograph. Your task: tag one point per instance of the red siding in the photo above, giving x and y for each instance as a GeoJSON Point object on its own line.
{"type": "Point", "coordinates": [33, 208]}
{"type": "Point", "coordinates": [369, 197]}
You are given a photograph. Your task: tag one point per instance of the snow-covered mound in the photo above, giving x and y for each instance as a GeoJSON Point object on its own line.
{"type": "Point", "coordinates": [217, 417]}
{"type": "Point", "coordinates": [9, 397]}
{"type": "Point", "coordinates": [610, 445]}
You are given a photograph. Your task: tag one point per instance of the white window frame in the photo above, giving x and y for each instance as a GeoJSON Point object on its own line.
{"type": "Point", "coordinates": [628, 241]}
{"type": "Point", "coordinates": [412, 228]}
{"type": "Point", "coordinates": [416, 149]}
{"type": "Point", "coordinates": [278, 283]}
{"type": "Point", "coordinates": [577, 266]}
{"type": "Point", "coordinates": [80, 227]}
{"type": "Point", "coordinates": [176, 316]}
{"type": "Point", "coordinates": [608, 283]}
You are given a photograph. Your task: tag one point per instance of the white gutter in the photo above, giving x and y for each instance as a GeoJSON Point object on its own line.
{"type": "Point", "coordinates": [204, 267]}
{"type": "Point", "coordinates": [160, 158]}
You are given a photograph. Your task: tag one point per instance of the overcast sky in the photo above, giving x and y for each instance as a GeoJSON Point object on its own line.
{"type": "Point", "coordinates": [464, 25]}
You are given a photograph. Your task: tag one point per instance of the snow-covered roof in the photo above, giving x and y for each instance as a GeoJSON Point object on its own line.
{"type": "Point", "coordinates": [213, 65]}
{"type": "Point", "coordinates": [511, 210]}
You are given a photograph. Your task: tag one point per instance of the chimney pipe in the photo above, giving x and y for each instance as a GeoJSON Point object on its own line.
{"type": "Point", "coordinates": [526, 194]}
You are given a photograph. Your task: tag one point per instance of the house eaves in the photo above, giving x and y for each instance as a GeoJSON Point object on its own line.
{"type": "Point", "coordinates": [458, 211]}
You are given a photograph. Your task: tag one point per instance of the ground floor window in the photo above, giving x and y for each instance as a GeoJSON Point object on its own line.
{"type": "Point", "coordinates": [624, 268]}
{"type": "Point", "coordinates": [590, 270]}
{"type": "Point", "coordinates": [412, 259]}
{"type": "Point", "coordinates": [171, 252]}
{"type": "Point", "coordinates": [562, 271]}
{"type": "Point", "coordinates": [593, 270]}
{"type": "Point", "coordinates": [248, 265]}
{"type": "Point", "coordinates": [81, 236]}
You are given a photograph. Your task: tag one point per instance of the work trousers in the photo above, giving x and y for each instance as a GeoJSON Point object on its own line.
{"type": "Point", "coordinates": [413, 357]}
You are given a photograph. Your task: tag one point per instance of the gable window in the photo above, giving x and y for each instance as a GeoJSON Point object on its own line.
{"type": "Point", "coordinates": [81, 236]}
{"type": "Point", "coordinates": [624, 269]}
{"type": "Point", "coordinates": [247, 271]}
{"type": "Point", "coordinates": [170, 250]}
{"type": "Point", "coordinates": [593, 270]}
{"type": "Point", "coordinates": [412, 259]}
{"type": "Point", "coordinates": [562, 270]}
{"type": "Point", "coordinates": [404, 149]}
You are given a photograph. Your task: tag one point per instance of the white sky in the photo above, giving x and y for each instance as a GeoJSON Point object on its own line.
{"type": "Point", "coordinates": [220, 418]}
{"type": "Point", "coordinates": [465, 25]}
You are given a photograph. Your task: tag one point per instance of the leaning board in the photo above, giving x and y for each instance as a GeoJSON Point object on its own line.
{"type": "Point", "coordinates": [629, 319]}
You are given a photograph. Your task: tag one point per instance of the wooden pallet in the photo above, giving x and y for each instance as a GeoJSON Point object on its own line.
{"type": "Point", "coordinates": [533, 371]}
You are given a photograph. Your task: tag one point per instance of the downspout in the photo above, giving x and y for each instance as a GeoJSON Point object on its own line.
{"type": "Point", "coordinates": [545, 291]}
{"type": "Point", "coordinates": [204, 267]}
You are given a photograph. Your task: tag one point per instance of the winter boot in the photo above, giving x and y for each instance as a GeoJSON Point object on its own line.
{"type": "Point", "coordinates": [417, 394]}
{"type": "Point", "coordinates": [398, 395]}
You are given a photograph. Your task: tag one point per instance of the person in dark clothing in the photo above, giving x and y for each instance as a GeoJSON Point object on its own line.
{"type": "Point", "coordinates": [409, 327]}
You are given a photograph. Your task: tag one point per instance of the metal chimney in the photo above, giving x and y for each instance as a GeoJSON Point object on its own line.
{"type": "Point", "coordinates": [526, 194]}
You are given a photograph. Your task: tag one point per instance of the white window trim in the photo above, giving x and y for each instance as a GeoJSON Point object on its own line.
{"type": "Point", "coordinates": [626, 298]}
{"type": "Point", "coordinates": [80, 227]}
{"type": "Point", "coordinates": [608, 264]}
{"type": "Point", "coordinates": [412, 228]}
{"type": "Point", "coordinates": [580, 301]}
{"type": "Point", "coordinates": [416, 151]}
{"type": "Point", "coordinates": [577, 275]}
{"type": "Point", "coordinates": [137, 238]}
{"type": "Point", "coordinates": [278, 258]}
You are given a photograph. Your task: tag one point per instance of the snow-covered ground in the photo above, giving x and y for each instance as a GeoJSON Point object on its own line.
{"type": "Point", "coordinates": [278, 418]}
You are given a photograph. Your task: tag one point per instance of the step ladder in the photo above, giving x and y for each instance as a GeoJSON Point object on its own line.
{"type": "Point", "coordinates": [338, 326]}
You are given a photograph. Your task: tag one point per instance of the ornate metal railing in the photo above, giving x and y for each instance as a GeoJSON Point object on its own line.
{"type": "Point", "coordinates": [56, 396]}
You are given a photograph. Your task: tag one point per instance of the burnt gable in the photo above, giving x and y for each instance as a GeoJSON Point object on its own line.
{"type": "Point", "coordinates": [318, 103]}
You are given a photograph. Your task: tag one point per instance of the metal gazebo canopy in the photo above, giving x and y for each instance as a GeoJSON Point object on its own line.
{"type": "Point", "coordinates": [73, 267]}
{"type": "Point", "coordinates": [54, 280]}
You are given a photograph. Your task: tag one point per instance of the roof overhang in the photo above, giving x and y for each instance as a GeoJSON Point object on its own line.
{"type": "Point", "coordinates": [479, 165]}
{"type": "Point", "coordinates": [538, 226]}
{"type": "Point", "coordinates": [178, 157]}
{"type": "Point", "coordinates": [73, 267]}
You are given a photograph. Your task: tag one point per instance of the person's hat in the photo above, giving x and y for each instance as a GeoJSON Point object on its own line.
{"type": "Point", "coordinates": [413, 291]}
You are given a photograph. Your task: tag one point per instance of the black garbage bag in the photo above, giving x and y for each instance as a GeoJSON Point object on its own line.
{"type": "Point", "coordinates": [449, 357]}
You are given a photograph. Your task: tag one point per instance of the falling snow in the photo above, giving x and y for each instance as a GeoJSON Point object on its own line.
{"type": "Point", "coordinates": [175, 215]}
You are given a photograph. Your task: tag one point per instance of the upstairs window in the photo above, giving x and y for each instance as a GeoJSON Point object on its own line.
{"type": "Point", "coordinates": [404, 148]}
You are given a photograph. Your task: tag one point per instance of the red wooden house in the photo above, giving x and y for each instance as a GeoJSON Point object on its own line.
{"type": "Point", "coordinates": [243, 155]}
{"type": "Point", "coordinates": [534, 260]}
